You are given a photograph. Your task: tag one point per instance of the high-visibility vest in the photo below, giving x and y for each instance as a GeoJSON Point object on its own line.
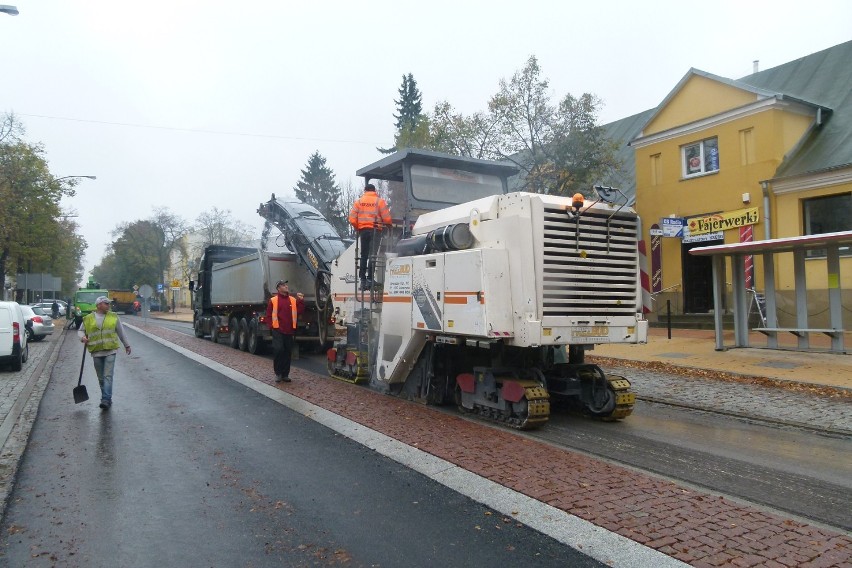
{"type": "Point", "coordinates": [101, 338]}
{"type": "Point", "coordinates": [368, 210]}
{"type": "Point", "coordinates": [293, 310]}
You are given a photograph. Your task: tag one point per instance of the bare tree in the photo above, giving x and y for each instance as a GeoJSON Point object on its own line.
{"type": "Point", "coordinates": [219, 227]}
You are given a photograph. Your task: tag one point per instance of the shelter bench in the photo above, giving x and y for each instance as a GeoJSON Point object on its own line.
{"type": "Point", "coordinates": [798, 331]}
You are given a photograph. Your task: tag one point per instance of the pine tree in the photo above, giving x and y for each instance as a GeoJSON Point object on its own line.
{"type": "Point", "coordinates": [319, 189]}
{"type": "Point", "coordinates": [409, 115]}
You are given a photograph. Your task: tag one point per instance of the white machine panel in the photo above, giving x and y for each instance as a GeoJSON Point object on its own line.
{"type": "Point", "coordinates": [477, 298]}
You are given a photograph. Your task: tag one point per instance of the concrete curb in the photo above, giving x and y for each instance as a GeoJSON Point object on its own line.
{"type": "Point", "coordinates": [18, 423]}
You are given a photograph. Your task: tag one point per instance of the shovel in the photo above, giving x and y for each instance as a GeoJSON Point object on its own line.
{"type": "Point", "coordinates": [80, 393]}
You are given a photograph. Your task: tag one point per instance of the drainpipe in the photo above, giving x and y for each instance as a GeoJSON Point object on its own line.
{"type": "Point", "coordinates": [766, 225]}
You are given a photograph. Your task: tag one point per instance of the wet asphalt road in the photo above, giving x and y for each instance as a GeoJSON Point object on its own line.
{"type": "Point", "coordinates": [192, 469]}
{"type": "Point", "coordinates": [754, 450]}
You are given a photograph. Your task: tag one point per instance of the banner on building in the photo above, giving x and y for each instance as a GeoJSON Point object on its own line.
{"type": "Point", "coordinates": [645, 280]}
{"type": "Point", "coordinates": [747, 236]}
{"type": "Point", "coordinates": [723, 221]}
{"type": "Point", "coordinates": [656, 259]}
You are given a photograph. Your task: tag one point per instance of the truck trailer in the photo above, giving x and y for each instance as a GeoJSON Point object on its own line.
{"type": "Point", "coordinates": [234, 285]}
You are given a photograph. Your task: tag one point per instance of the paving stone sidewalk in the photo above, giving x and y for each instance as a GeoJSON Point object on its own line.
{"type": "Point", "coordinates": [692, 526]}
{"type": "Point", "coordinates": [777, 405]}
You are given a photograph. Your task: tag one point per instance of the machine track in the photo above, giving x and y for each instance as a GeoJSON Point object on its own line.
{"type": "Point", "coordinates": [530, 412]}
{"type": "Point", "coordinates": [625, 399]}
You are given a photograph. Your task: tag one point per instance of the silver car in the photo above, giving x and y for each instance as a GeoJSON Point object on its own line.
{"type": "Point", "coordinates": [39, 322]}
{"type": "Point", "coordinates": [47, 306]}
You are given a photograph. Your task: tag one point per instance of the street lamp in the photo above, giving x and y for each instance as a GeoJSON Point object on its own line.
{"type": "Point", "coordinates": [11, 10]}
{"type": "Point", "coordinates": [68, 177]}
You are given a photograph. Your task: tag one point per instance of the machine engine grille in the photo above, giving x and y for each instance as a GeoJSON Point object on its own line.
{"type": "Point", "coordinates": [590, 268]}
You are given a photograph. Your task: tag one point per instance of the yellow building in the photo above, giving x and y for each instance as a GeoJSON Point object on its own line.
{"type": "Point", "coordinates": [726, 161]}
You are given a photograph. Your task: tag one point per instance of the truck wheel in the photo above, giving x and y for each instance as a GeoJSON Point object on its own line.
{"type": "Point", "coordinates": [199, 332]}
{"type": "Point", "coordinates": [234, 336]}
{"type": "Point", "coordinates": [243, 336]}
{"type": "Point", "coordinates": [214, 330]}
{"type": "Point", "coordinates": [253, 343]}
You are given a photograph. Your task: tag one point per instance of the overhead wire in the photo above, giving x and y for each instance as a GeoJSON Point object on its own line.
{"type": "Point", "coordinates": [198, 130]}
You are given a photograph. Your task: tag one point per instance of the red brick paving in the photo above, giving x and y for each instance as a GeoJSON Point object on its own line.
{"type": "Point", "coordinates": [697, 528]}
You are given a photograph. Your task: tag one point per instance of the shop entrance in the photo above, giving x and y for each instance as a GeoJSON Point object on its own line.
{"type": "Point", "coordinates": [697, 278]}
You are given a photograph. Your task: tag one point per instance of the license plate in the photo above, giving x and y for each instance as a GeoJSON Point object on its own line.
{"type": "Point", "coordinates": [591, 331]}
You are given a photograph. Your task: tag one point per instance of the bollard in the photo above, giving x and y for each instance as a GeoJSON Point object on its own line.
{"type": "Point", "coordinates": [669, 317]}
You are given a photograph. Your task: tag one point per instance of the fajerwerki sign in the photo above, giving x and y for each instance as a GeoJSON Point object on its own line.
{"type": "Point", "coordinates": [723, 221]}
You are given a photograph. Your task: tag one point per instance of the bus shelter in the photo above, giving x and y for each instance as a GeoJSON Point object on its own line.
{"type": "Point", "coordinates": [831, 243]}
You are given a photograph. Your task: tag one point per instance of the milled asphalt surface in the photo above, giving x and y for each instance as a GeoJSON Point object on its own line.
{"type": "Point", "coordinates": [809, 389]}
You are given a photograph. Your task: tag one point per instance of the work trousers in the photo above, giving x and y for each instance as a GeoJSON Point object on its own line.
{"type": "Point", "coordinates": [104, 368]}
{"type": "Point", "coordinates": [282, 347]}
{"type": "Point", "coordinates": [365, 266]}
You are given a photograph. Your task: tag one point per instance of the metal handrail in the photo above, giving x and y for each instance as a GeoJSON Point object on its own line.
{"type": "Point", "coordinates": [654, 294]}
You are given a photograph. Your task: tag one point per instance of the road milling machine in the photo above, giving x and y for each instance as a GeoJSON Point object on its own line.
{"type": "Point", "coordinates": [483, 298]}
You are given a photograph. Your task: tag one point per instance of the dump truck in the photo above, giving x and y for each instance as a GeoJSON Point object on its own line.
{"type": "Point", "coordinates": [122, 300]}
{"type": "Point", "coordinates": [233, 287]}
{"type": "Point", "coordinates": [484, 298]}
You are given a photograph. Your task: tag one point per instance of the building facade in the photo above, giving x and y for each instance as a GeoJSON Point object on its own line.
{"type": "Point", "coordinates": [726, 161]}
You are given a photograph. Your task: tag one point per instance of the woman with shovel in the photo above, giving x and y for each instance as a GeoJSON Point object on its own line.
{"type": "Point", "coordinates": [101, 332]}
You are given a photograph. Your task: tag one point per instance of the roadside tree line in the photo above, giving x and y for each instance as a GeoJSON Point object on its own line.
{"type": "Point", "coordinates": [558, 146]}
{"type": "Point", "coordinates": [35, 235]}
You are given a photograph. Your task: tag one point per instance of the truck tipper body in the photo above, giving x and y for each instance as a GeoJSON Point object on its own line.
{"type": "Point", "coordinates": [122, 300]}
{"type": "Point", "coordinates": [233, 288]}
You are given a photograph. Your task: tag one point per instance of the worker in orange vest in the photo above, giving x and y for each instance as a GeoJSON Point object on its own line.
{"type": "Point", "coordinates": [369, 213]}
{"type": "Point", "coordinates": [282, 311]}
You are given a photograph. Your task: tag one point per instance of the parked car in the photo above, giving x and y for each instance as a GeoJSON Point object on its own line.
{"type": "Point", "coordinates": [40, 324]}
{"type": "Point", "coordinates": [14, 345]}
{"type": "Point", "coordinates": [48, 305]}
{"type": "Point", "coordinates": [154, 305]}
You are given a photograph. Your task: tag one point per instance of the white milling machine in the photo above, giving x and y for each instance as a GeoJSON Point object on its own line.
{"type": "Point", "coordinates": [489, 303]}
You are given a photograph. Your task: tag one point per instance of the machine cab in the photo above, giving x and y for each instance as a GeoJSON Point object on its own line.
{"type": "Point", "coordinates": [422, 181]}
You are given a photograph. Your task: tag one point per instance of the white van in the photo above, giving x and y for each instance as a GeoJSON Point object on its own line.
{"type": "Point", "coordinates": [14, 348]}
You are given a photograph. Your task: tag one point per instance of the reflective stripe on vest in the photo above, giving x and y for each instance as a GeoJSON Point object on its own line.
{"type": "Point", "coordinates": [368, 210]}
{"type": "Point", "coordinates": [101, 339]}
{"type": "Point", "coordinates": [293, 309]}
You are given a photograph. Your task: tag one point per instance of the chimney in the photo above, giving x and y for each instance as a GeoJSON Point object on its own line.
{"type": "Point", "coordinates": [756, 64]}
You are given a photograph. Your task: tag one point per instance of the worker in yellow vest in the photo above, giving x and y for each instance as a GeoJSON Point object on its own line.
{"type": "Point", "coordinates": [282, 311]}
{"type": "Point", "coordinates": [101, 331]}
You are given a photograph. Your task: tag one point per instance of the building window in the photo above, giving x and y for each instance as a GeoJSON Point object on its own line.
{"type": "Point", "coordinates": [656, 169]}
{"type": "Point", "coordinates": [830, 214]}
{"type": "Point", "coordinates": [700, 158]}
{"type": "Point", "coordinates": [747, 146]}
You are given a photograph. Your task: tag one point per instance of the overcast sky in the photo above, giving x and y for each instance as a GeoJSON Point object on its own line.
{"type": "Point", "coordinates": [197, 104]}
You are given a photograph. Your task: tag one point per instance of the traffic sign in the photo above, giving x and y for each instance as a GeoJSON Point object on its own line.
{"type": "Point", "coordinates": [672, 226]}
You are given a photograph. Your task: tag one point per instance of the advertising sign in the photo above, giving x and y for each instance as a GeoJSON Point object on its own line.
{"type": "Point", "coordinates": [723, 221]}
{"type": "Point", "coordinates": [705, 238]}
